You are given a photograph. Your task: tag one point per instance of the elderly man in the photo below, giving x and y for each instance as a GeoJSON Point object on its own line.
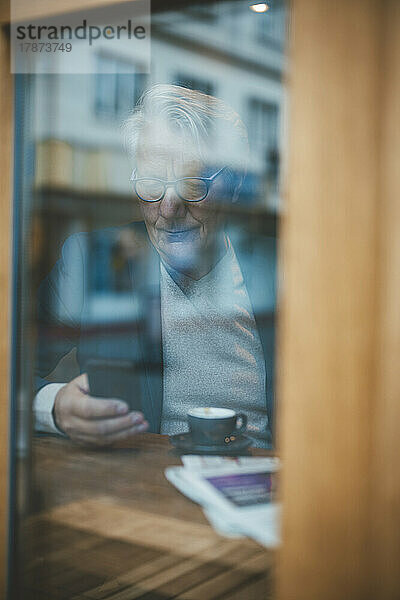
{"type": "Point", "coordinates": [202, 329]}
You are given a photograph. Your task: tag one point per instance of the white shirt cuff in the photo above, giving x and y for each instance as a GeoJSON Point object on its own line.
{"type": "Point", "coordinates": [43, 405]}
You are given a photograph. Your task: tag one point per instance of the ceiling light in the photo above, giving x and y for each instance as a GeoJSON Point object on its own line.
{"type": "Point", "coordinates": [260, 7]}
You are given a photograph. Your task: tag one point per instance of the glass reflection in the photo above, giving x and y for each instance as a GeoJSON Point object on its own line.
{"type": "Point", "coordinates": [149, 206]}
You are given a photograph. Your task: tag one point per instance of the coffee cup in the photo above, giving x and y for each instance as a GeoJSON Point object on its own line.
{"type": "Point", "coordinates": [211, 425]}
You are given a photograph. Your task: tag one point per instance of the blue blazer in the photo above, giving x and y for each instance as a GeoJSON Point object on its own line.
{"type": "Point", "coordinates": [66, 296]}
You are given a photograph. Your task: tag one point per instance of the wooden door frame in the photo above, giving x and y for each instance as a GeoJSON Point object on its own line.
{"type": "Point", "coordinates": [339, 325]}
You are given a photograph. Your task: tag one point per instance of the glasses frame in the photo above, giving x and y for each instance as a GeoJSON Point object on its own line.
{"type": "Point", "coordinates": [173, 183]}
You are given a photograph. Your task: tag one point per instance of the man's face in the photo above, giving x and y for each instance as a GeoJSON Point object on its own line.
{"type": "Point", "coordinates": [184, 233]}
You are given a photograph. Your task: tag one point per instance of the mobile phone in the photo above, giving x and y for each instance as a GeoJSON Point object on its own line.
{"type": "Point", "coordinates": [112, 378]}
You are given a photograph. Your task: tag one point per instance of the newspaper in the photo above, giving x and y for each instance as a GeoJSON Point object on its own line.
{"type": "Point", "coordinates": [238, 495]}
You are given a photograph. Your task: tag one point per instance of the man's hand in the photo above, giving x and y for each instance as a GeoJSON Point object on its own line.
{"type": "Point", "coordinates": [94, 421]}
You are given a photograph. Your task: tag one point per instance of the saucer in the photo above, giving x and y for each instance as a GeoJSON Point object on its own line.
{"type": "Point", "coordinates": [184, 443]}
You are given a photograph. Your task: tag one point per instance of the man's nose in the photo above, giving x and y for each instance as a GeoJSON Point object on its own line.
{"type": "Point", "coordinates": [171, 206]}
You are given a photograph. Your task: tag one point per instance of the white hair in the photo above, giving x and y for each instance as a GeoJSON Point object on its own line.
{"type": "Point", "coordinates": [191, 113]}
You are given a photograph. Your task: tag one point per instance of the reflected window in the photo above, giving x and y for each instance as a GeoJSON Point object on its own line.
{"type": "Point", "coordinates": [207, 13]}
{"type": "Point", "coordinates": [264, 138]}
{"type": "Point", "coordinates": [195, 83]}
{"type": "Point", "coordinates": [116, 88]}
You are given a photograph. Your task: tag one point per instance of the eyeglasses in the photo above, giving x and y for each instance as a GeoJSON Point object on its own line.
{"type": "Point", "coordinates": [190, 189]}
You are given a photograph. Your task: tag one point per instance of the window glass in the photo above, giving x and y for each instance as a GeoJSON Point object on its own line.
{"type": "Point", "coordinates": [146, 221]}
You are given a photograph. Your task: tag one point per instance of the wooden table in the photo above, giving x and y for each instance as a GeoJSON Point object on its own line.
{"type": "Point", "coordinates": [108, 525]}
